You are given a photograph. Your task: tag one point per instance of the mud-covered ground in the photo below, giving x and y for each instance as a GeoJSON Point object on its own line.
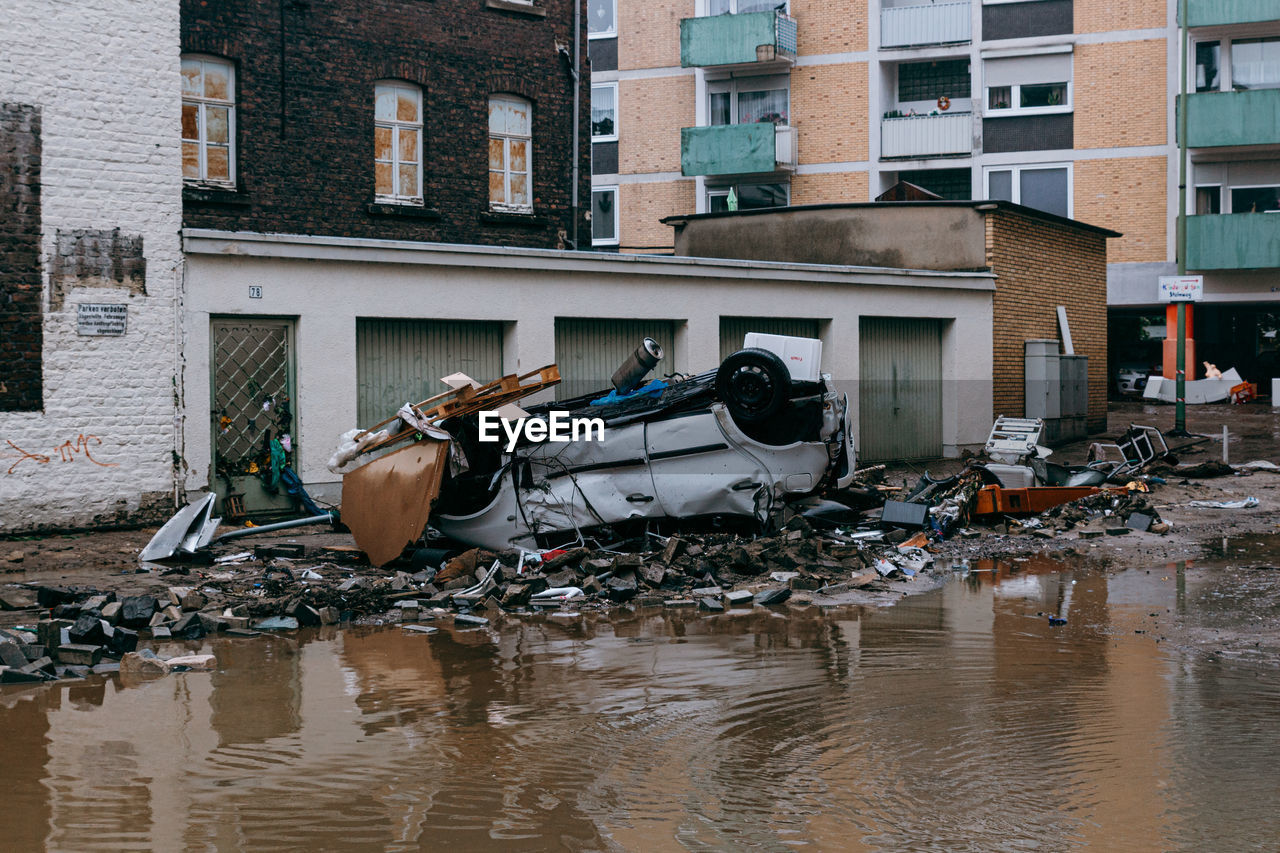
{"type": "Point", "coordinates": [1236, 545]}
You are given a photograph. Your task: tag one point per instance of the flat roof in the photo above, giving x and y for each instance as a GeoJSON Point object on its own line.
{"type": "Point", "coordinates": [981, 205]}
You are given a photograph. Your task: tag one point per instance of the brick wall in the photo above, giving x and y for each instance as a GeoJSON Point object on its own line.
{"type": "Point", "coordinates": [649, 32]}
{"type": "Point", "coordinates": [99, 447]}
{"type": "Point", "coordinates": [304, 114]}
{"type": "Point", "coordinates": [1127, 194]}
{"type": "Point", "coordinates": [21, 334]}
{"type": "Point", "coordinates": [829, 105]}
{"type": "Point", "coordinates": [825, 27]}
{"type": "Point", "coordinates": [1040, 265]}
{"type": "Point", "coordinates": [1096, 16]}
{"type": "Point", "coordinates": [1119, 94]}
{"type": "Point", "coordinates": [831, 188]}
{"type": "Point", "coordinates": [651, 114]}
{"type": "Point", "coordinates": [644, 206]}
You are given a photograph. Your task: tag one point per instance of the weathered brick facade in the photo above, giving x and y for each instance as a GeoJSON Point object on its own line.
{"type": "Point", "coordinates": [305, 128]}
{"type": "Point", "coordinates": [1039, 265]}
{"type": "Point", "coordinates": [90, 213]}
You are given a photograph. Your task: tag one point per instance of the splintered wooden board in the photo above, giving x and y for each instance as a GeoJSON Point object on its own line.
{"type": "Point", "coordinates": [386, 503]}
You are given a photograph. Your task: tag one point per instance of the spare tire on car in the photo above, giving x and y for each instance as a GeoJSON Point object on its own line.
{"type": "Point", "coordinates": [754, 384]}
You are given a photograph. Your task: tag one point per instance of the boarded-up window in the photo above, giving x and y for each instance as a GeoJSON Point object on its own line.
{"type": "Point", "coordinates": [510, 154]}
{"type": "Point", "coordinates": [208, 120]}
{"type": "Point", "coordinates": [397, 142]}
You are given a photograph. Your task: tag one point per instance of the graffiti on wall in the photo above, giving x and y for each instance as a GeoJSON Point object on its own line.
{"type": "Point", "coordinates": [68, 451]}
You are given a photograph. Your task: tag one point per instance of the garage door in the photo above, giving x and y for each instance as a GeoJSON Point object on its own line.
{"type": "Point", "coordinates": [734, 329]}
{"type": "Point", "coordinates": [588, 351]}
{"type": "Point", "coordinates": [400, 361]}
{"type": "Point", "coordinates": [900, 389]}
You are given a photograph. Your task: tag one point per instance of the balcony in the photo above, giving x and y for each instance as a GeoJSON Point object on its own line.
{"type": "Point", "coordinates": [747, 39]}
{"type": "Point", "coordinates": [1218, 119]}
{"type": "Point", "coordinates": [1233, 241]}
{"type": "Point", "coordinates": [931, 23]}
{"type": "Point", "coordinates": [737, 149]}
{"type": "Point", "coordinates": [1213, 13]}
{"type": "Point", "coordinates": [926, 136]}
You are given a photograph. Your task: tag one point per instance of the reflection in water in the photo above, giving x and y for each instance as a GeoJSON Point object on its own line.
{"type": "Point", "coordinates": [960, 719]}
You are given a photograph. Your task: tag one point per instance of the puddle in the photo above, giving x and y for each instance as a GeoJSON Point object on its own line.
{"type": "Point", "coordinates": [957, 719]}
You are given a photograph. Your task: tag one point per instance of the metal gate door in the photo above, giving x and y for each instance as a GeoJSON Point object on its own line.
{"type": "Point", "coordinates": [253, 405]}
{"type": "Point", "coordinates": [589, 351]}
{"type": "Point", "coordinates": [734, 329]}
{"type": "Point", "coordinates": [900, 389]}
{"type": "Point", "coordinates": [401, 361]}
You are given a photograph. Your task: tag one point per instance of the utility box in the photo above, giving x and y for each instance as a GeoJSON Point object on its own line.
{"type": "Point", "coordinates": [1043, 380]}
{"type": "Point", "coordinates": [1057, 390]}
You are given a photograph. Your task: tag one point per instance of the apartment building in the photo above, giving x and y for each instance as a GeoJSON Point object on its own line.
{"type": "Point", "coordinates": [1063, 105]}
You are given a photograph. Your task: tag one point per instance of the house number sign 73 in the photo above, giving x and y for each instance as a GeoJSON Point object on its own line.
{"type": "Point", "coordinates": [255, 291]}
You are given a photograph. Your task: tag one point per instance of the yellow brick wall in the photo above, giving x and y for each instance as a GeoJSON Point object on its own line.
{"type": "Point", "coordinates": [649, 32]}
{"type": "Point", "coordinates": [1119, 94]}
{"type": "Point", "coordinates": [644, 206]}
{"type": "Point", "coordinates": [1095, 16]}
{"type": "Point", "coordinates": [651, 113]}
{"type": "Point", "coordinates": [1040, 265]}
{"type": "Point", "coordinates": [826, 27]}
{"type": "Point", "coordinates": [838, 188]}
{"type": "Point", "coordinates": [1127, 194]}
{"type": "Point", "coordinates": [829, 110]}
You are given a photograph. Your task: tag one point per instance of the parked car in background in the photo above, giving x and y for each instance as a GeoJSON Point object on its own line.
{"type": "Point", "coordinates": [1131, 378]}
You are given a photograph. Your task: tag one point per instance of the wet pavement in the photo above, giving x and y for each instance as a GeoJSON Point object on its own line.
{"type": "Point", "coordinates": [957, 719]}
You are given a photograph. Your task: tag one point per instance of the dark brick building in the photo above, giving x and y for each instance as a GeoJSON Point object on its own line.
{"type": "Point", "coordinates": [281, 133]}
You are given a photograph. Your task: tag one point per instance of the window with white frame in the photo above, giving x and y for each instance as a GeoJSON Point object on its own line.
{"type": "Point", "coordinates": [741, 7]}
{"type": "Point", "coordinates": [602, 18]}
{"type": "Point", "coordinates": [208, 121]}
{"type": "Point", "coordinates": [1208, 199]}
{"type": "Point", "coordinates": [1028, 85]}
{"type": "Point", "coordinates": [1255, 199]}
{"type": "Point", "coordinates": [748, 197]}
{"type": "Point", "coordinates": [748, 100]}
{"type": "Point", "coordinates": [604, 112]}
{"type": "Point", "coordinates": [1044, 186]}
{"type": "Point", "coordinates": [1255, 63]}
{"type": "Point", "coordinates": [510, 154]}
{"type": "Point", "coordinates": [604, 216]}
{"type": "Point", "coordinates": [397, 142]}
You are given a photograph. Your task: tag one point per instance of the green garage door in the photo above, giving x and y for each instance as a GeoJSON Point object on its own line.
{"type": "Point", "coordinates": [734, 329]}
{"type": "Point", "coordinates": [900, 389]}
{"type": "Point", "coordinates": [401, 361]}
{"type": "Point", "coordinates": [588, 351]}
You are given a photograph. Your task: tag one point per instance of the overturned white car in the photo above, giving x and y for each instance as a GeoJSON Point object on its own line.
{"type": "Point", "coordinates": [731, 443]}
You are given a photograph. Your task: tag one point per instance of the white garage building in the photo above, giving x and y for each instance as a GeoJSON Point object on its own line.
{"type": "Point", "coordinates": [310, 336]}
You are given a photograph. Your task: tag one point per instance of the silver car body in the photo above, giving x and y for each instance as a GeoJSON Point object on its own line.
{"type": "Point", "coordinates": [682, 465]}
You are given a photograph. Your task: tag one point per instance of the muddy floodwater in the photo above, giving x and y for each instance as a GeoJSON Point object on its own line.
{"type": "Point", "coordinates": [958, 719]}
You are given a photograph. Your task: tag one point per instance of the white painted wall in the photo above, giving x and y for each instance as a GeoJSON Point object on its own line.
{"type": "Point", "coordinates": [105, 75]}
{"type": "Point", "coordinates": [326, 283]}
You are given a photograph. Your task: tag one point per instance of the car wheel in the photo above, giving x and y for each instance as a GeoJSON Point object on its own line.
{"type": "Point", "coordinates": [754, 384]}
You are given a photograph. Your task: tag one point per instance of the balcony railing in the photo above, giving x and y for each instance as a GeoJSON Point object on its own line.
{"type": "Point", "coordinates": [1233, 241]}
{"type": "Point", "coordinates": [764, 37]}
{"type": "Point", "coordinates": [1213, 13]}
{"type": "Point", "coordinates": [926, 136]}
{"type": "Point", "coordinates": [1217, 119]}
{"type": "Point", "coordinates": [737, 149]}
{"type": "Point", "coordinates": [928, 23]}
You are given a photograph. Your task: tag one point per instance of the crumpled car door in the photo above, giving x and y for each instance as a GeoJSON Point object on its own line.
{"type": "Point", "coordinates": [584, 483]}
{"type": "Point", "coordinates": [697, 471]}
